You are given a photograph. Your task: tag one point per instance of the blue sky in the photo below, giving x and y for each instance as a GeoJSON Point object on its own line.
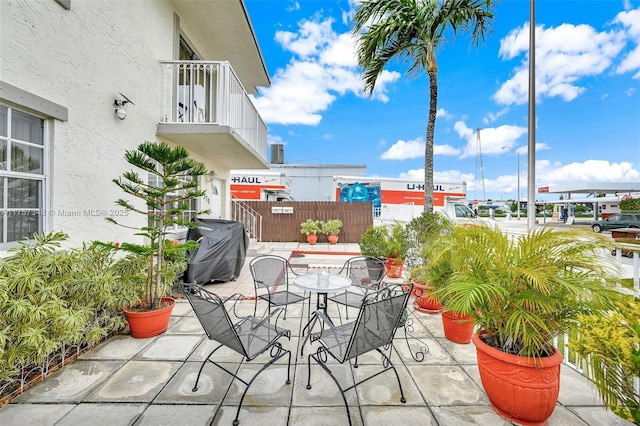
{"type": "Point", "coordinates": [588, 96]}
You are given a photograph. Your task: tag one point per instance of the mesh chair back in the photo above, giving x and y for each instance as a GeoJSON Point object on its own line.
{"type": "Point", "coordinates": [365, 271]}
{"type": "Point", "coordinates": [214, 317]}
{"type": "Point", "coordinates": [378, 319]}
{"type": "Point", "coordinates": [268, 271]}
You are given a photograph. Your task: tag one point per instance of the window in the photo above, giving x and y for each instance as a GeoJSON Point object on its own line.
{"type": "Point", "coordinates": [22, 175]}
{"type": "Point", "coordinates": [188, 214]}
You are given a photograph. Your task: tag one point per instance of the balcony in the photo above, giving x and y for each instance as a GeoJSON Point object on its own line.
{"type": "Point", "coordinates": [207, 110]}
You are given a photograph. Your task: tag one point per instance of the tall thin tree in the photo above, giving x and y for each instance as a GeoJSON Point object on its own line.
{"type": "Point", "coordinates": [411, 31]}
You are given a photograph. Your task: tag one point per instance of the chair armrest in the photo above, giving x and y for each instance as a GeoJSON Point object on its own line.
{"type": "Point", "coordinates": [325, 319]}
{"type": "Point", "coordinates": [275, 313]}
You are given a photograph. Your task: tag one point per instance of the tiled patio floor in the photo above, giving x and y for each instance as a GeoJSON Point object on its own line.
{"type": "Point", "coordinates": [127, 381]}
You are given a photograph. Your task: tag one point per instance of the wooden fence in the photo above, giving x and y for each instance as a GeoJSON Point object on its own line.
{"type": "Point", "coordinates": [280, 227]}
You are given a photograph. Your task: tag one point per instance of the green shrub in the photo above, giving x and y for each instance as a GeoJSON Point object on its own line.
{"type": "Point", "coordinates": [630, 204]}
{"type": "Point", "coordinates": [50, 297]}
{"type": "Point", "coordinates": [611, 346]}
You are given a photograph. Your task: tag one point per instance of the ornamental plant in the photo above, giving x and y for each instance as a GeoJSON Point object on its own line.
{"type": "Point", "coordinates": [51, 299]}
{"type": "Point", "coordinates": [177, 178]}
{"type": "Point", "coordinates": [331, 227]}
{"type": "Point", "coordinates": [310, 227]}
{"type": "Point", "coordinates": [610, 345]}
{"type": "Point", "coordinates": [522, 292]}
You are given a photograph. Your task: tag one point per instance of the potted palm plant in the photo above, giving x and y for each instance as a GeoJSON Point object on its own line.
{"type": "Point", "coordinates": [520, 294]}
{"type": "Point", "coordinates": [171, 185]}
{"type": "Point", "coordinates": [311, 228]}
{"type": "Point", "coordinates": [390, 242]}
{"type": "Point", "coordinates": [332, 228]}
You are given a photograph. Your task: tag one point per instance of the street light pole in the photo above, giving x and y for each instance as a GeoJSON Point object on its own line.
{"type": "Point", "coordinates": [517, 154]}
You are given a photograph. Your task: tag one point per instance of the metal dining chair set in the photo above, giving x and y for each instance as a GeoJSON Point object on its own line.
{"type": "Point", "coordinates": [380, 313]}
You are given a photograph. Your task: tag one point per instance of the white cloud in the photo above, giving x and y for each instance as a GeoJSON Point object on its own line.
{"type": "Point", "coordinates": [324, 66]}
{"type": "Point", "coordinates": [403, 150]}
{"type": "Point", "coordinates": [564, 55]}
{"type": "Point", "coordinates": [630, 91]}
{"type": "Point", "coordinates": [555, 173]}
{"type": "Point", "coordinates": [491, 139]}
{"type": "Point", "coordinates": [630, 20]}
{"type": "Point", "coordinates": [444, 114]}
{"type": "Point", "coordinates": [493, 116]}
{"type": "Point", "coordinates": [587, 171]}
{"type": "Point", "coordinates": [294, 6]}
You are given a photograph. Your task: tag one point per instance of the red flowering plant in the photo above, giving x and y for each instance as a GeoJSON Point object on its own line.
{"type": "Point", "coordinates": [173, 183]}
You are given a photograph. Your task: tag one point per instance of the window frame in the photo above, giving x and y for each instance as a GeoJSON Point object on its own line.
{"type": "Point", "coordinates": [42, 210]}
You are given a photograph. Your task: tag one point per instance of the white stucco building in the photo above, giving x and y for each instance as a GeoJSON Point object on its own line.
{"type": "Point", "coordinates": [67, 68]}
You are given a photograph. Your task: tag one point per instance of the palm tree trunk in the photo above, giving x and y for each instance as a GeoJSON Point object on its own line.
{"type": "Point", "coordinates": [428, 146]}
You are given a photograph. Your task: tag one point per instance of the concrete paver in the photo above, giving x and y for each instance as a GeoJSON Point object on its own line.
{"type": "Point", "coordinates": [127, 381]}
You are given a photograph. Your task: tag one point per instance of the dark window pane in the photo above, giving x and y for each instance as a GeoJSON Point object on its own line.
{"type": "Point", "coordinates": [3, 155]}
{"type": "Point", "coordinates": [26, 128]}
{"type": "Point", "coordinates": [3, 121]}
{"type": "Point", "coordinates": [24, 194]}
{"type": "Point", "coordinates": [25, 158]}
{"type": "Point", "coordinates": [23, 225]}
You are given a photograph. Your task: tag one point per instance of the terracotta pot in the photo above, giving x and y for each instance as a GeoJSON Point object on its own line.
{"type": "Point", "coordinates": [150, 323]}
{"type": "Point", "coordinates": [394, 267]}
{"type": "Point", "coordinates": [312, 239]}
{"type": "Point", "coordinates": [520, 389]}
{"type": "Point", "coordinates": [425, 302]}
{"type": "Point", "coordinates": [457, 327]}
{"type": "Point", "coordinates": [333, 239]}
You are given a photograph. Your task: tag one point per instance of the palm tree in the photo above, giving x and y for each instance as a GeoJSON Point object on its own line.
{"type": "Point", "coordinates": [411, 31]}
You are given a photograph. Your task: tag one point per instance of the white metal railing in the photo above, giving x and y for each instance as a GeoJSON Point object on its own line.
{"type": "Point", "coordinates": [252, 220]}
{"type": "Point", "coordinates": [209, 92]}
{"type": "Point", "coordinates": [634, 249]}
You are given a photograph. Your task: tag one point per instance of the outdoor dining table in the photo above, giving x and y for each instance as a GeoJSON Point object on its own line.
{"type": "Point", "coordinates": [313, 283]}
{"type": "Point", "coordinates": [322, 284]}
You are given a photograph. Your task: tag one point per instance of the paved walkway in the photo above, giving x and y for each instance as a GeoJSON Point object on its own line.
{"type": "Point", "coordinates": [127, 381]}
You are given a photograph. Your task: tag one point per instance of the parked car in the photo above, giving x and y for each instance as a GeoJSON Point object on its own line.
{"type": "Point", "coordinates": [622, 220]}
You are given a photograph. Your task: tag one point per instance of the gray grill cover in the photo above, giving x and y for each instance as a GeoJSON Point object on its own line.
{"type": "Point", "coordinates": [220, 257]}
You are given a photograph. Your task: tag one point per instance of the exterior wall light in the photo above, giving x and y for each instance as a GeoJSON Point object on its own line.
{"type": "Point", "coordinates": [119, 104]}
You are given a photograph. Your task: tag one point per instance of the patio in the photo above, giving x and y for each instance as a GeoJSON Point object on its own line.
{"type": "Point", "coordinates": [127, 381]}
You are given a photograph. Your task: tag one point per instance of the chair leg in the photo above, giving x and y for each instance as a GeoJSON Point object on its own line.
{"type": "Point", "coordinates": [387, 359]}
{"type": "Point", "coordinates": [325, 368]}
{"type": "Point", "coordinates": [281, 352]}
{"type": "Point", "coordinates": [195, 386]}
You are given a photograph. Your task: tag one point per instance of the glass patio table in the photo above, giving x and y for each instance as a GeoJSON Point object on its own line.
{"type": "Point", "coordinates": [313, 282]}
{"type": "Point", "coordinates": [322, 284]}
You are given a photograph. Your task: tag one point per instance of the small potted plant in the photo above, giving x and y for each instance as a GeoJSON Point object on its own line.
{"type": "Point", "coordinates": [390, 242]}
{"type": "Point", "coordinates": [310, 228]}
{"type": "Point", "coordinates": [520, 294]}
{"type": "Point", "coordinates": [164, 203]}
{"type": "Point", "coordinates": [397, 247]}
{"type": "Point", "coordinates": [332, 228]}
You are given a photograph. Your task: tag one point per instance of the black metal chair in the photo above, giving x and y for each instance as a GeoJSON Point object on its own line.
{"type": "Point", "coordinates": [271, 282]}
{"type": "Point", "coordinates": [365, 273]}
{"type": "Point", "coordinates": [380, 315]}
{"type": "Point", "coordinates": [250, 336]}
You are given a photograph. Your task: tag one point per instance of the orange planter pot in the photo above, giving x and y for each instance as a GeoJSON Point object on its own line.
{"type": "Point", "coordinates": [520, 389]}
{"type": "Point", "coordinates": [150, 323]}
{"type": "Point", "coordinates": [425, 301]}
{"type": "Point", "coordinates": [457, 327]}
{"type": "Point", "coordinates": [333, 239]}
{"type": "Point", "coordinates": [394, 267]}
{"type": "Point", "coordinates": [312, 239]}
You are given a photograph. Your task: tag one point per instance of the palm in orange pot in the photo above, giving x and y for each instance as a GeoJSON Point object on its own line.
{"type": "Point", "coordinates": [520, 294]}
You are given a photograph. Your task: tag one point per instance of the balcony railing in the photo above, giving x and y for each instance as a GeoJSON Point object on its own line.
{"type": "Point", "coordinates": [209, 92]}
